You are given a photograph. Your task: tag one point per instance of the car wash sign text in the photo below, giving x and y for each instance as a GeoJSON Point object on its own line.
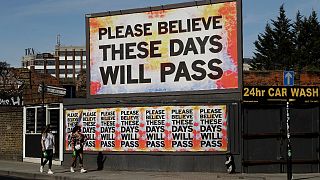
{"type": "Point", "coordinates": [183, 49]}
{"type": "Point", "coordinates": [307, 94]}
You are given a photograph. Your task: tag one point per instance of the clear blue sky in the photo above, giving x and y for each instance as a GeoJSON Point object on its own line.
{"type": "Point", "coordinates": [36, 23]}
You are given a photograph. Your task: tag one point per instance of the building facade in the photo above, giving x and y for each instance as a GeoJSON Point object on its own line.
{"type": "Point", "coordinates": [70, 61]}
{"type": "Point", "coordinates": [65, 63]}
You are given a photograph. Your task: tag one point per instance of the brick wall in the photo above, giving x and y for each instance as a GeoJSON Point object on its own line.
{"type": "Point", "coordinates": [11, 145]}
{"type": "Point", "coordinates": [32, 80]}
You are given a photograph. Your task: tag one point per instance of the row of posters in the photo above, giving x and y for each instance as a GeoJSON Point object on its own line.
{"type": "Point", "coordinates": [161, 128]}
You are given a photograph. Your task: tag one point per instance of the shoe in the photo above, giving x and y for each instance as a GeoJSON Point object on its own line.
{"type": "Point", "coordinates": [50, 172]}
{"type": "Point", "coordinates": [41, 169]}
{"type": "Point", "coordinates": [83, 170]}
{"type": "Point", "coordinates": [72, 170]}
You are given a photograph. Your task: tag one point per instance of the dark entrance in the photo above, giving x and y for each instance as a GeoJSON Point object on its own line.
{"type": "Point", "coordinates": [34, 125]}
{"type": "Point", "coordinates": [264, 137]}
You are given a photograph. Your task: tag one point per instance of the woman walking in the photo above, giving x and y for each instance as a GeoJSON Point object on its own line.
{"type": "Point", "coordinates": [47, 145]}
{"type": "Point", "coordinates": [77, 143]}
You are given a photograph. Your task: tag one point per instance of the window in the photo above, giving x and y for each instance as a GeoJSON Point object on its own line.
{"type": "Point", "coordinates": [62, 62]}
{"type": "Point", "coordinates": [39, 70]}
{"type": "Point", "coordinates": [34, 120]}
{"type": "Point", "coordinates": [78, 53]}
{"type": "Point", "coordinates": [38, 62]}
{"type": "Point", "coordinates": [69, 53]}
{"type": "Point", "coordinates": [51, 71]}
{"type": "Point", "coordinates": [54, 115]}
{"type": "Point", "coordinates": [62, 71]}
{"type": "Point", "coordinates": [39, 56]}
{"type": "Point", "coordinates": [69, 71]}
{"type": "Point", "coordinates": [70, 62]}
{"type": "Point", "coordinates": [30, 120]}
{"type": "Point", "coordinates": [51, 62]}
{"type": "Point", "coordinates": [62, 53]}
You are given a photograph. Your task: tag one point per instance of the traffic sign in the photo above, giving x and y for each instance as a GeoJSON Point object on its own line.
{"type": "Point", "coordinates": [288, 78]}
{"type": "Point", "coordinates": [58, 91]}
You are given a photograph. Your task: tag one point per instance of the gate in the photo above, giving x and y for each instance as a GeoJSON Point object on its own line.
{"type": "Point", "coordinates": [264, 137]}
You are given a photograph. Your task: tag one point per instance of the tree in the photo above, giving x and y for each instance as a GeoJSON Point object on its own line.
{"type": "Point", "coordinates": [300, 41]}
{"type": "Point", "coordinates": [275, 47]}
{"type": "Point", "coordinates": [263, 59]}
{"type": "Point", "coordinates": [4, 69]}
{"type": "Point", "coordinates": [313, 50]}
{"type": "Point", "coordinates": [307, 42]}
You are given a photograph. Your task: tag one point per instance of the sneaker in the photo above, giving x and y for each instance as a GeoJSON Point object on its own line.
{"type": "Point", "coordinates": [72, 170]}
{"type": "Point", "coordinates": [83, 170]}
{"type": "Point", "coordinates": [41, 169]}
{"type": "Point", "coordinates": [50, 172]}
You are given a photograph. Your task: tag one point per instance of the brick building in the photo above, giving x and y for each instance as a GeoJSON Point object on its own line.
{"type": "Point", "coordinates": [66, 62]}
{"type": "Point", "coordinates": [24, 84]}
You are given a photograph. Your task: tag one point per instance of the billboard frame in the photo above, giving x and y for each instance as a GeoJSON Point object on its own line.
{"type": "Point", "coordinates": [229, 94]}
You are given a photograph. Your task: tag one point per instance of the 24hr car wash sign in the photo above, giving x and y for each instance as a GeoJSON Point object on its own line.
{"type": "Point", "coordinates": [161, 128]}
{"type": "Point", "coordinates": [182, 49]}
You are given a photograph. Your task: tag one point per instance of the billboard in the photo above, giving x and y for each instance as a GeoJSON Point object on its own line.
{"type": "Point", "coordinates": [188, 48]}
{"type": "Point", "coordinates": [157, 128]}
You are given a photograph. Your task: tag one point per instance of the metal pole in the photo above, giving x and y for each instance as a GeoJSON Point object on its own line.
{"type": "Point", "coordinates": [289, 154]}
{"type": "Point", "coordinates": [43, 114]}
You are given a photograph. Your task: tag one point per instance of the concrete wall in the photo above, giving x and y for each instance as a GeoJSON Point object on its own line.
{"type": "Point", "coordinates": [165, 161]}
{"type": "Point", "coordinates": [171, 162]}
{"type": "Point", "coordinates": [11, 141]}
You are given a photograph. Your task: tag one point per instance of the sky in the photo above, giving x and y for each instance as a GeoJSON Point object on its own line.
{"type": "Point", "coordinates": [36, 23]}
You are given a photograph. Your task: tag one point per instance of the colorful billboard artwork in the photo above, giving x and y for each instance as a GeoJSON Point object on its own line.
{"type": "Point", "coordinates": [160, 128]}
{"type": "Point", "coordinates": [182, 49]}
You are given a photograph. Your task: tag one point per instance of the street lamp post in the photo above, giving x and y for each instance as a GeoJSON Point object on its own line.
{"type": "Point", "coordinates": [289, 154]}
{"type": "Point", "coordinates": [43, 120]}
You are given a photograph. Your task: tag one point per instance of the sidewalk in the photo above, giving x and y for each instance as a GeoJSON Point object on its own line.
{"type": "Point", "coordinates": [31, 171]}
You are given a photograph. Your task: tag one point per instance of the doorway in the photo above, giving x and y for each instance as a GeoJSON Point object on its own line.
{"type": "Point", "coordinates": [35, 118]}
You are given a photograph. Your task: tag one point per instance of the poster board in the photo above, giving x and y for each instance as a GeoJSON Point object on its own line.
{"type": "Point", "coordinates": [157, 128]}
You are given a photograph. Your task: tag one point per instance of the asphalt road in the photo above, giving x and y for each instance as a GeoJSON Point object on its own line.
{"type": "Point", "coordinates": [11, 178]}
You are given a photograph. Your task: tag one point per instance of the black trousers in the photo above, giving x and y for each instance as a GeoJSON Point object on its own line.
{"type": "Point", "coordinates": [44, 160]}
{"type": "Point", "coordinates": [78, 153]}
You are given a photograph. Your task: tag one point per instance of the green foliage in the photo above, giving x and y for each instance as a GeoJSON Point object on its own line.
{"type": "Point", "coordinates": [288, 46]}
{"type": "Point", "coordinates": [4, 68]}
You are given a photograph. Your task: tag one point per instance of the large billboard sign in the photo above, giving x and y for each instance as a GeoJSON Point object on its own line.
{"type": "Point", "coordinates": [158, 128]}
{"type": "Point", "coordinates": [188, 48]}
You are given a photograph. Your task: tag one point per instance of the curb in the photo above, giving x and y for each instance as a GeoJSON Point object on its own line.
{"type": "Point", "coordinates": [29, 176]}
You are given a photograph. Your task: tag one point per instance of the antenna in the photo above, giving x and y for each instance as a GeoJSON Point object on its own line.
{"type": "Point", "coordinates": [58, 40]}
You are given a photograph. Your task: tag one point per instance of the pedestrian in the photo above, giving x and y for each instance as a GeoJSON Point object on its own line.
{"type": "Point", "coordinates": [48, 149]}
{"type": "Point", "coordinates": [77, 142]}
